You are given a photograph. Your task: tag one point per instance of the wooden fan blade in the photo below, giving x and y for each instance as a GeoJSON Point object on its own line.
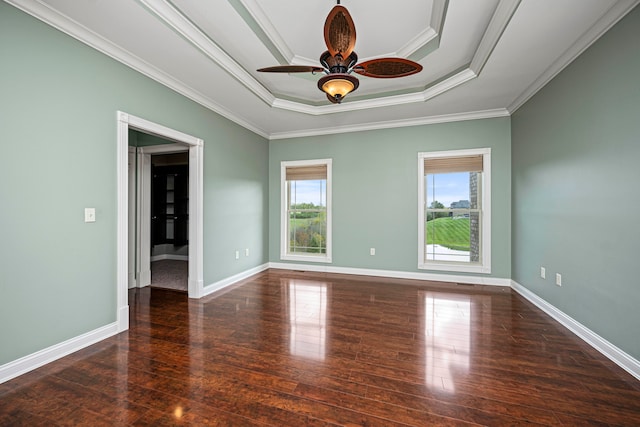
{"type": "Point", "coordinates": [386, 68]}
{"type": "Point", "coordinates": [290, 69]}
{"type": "Point", "coordinates": [340, 32]}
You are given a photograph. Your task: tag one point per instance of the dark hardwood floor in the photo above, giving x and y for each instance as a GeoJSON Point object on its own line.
{"type": "Point", "coordinates": [305, 349]}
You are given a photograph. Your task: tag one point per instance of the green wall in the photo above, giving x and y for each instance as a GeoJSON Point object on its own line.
{"type": "Point", "coordinates": [375, 189]}
{"type": "Point", "coordinates": [58, 103]}
{"type": "Point", "coordinates": [564, 168]}
{"type": "Point", "coordinates": [576, 147]}
{"type": "Point", "coordinates": [141, 139]}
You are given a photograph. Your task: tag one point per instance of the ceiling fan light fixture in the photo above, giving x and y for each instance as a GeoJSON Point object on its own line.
{"type": "Point", "coordinates": [338, 85]}
{"type": "Point", "coordinates": [340, 60]}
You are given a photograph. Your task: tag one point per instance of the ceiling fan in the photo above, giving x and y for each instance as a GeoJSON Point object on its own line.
{"type": "Point", "coordinates": [340, 61]}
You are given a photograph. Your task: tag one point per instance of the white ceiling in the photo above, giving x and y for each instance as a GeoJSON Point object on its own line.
{"type": "Point", "coordinates": [481, 58]}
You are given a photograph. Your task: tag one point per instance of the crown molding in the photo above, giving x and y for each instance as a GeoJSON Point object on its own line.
{"type": "Point", "coordinates": [608, 20]}
{"type": "Point", "coordinates": [79, 32]}
{"type": "Point", "coordinates": [438, 13]}
{"type": "Point", "coordinates": [499, 21]}
{"type": "Point", "coordinates": [431, 33]}
{"type": "Point", "coordinates": [449, 83]}
{"type": "Point", "coordinates": [301, 60]}
{"type": "Point", "coordinates": [445, 118]}
{"type": "Point", "coordinates": [416, 43]}
{"type": "Point", "coordinates": [261, 20]}
{"type": "Point", "coordinates": [174, 19]}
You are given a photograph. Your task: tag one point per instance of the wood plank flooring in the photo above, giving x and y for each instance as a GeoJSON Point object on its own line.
{"type": "Point", "coordinates": [308, 349]}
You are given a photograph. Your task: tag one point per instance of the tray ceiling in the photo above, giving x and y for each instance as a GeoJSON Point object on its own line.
{"type": "Point", "coordinates": [481, 58]}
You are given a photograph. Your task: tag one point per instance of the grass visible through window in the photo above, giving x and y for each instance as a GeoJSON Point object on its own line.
{"type": "Point", "coordinates": [452, 233]}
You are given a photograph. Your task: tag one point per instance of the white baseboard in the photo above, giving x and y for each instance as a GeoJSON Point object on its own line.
{"type": "Point", "coordinates": [474, 280]}
{"type": "Point", "coordinates": [123, 318]}
{"type": "Point", "coordinates": [132, 280]}
{"type": "Point", "coordinates": [169, 256]}
{"type": "Point", "coordinates": [35, 360]}
{"type": "Point", "coordinates": [616, 355]}
{"type": "Point", "coordinates": [144, 279]}
{"type": "Point", "coordinates": [209, 289]}
{"type": "Point", "coordinates": [195, 288]}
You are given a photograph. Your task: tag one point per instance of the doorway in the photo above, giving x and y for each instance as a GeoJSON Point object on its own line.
{"type": "Point", "coordinates": [169, 222]}
{"type": "Point", "coordinates": [181, 142]}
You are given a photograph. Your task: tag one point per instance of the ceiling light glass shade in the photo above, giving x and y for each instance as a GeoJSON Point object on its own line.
{"type": "Point", "coordinates": [338, 85]}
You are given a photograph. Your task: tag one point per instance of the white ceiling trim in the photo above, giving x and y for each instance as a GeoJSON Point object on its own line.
{"type": "Point", "coordinates": [438, 11]}
{"type": "Point", "coordinates": [166, 13]}
{"type": "Point", "coordinates": [258, 15]}
{"type": "Point", "coordinates": [301, 60]}
{"type": "Point", "coordinates": [176, 20]}
{"type": "Point", "coordinates": [416, 43]}
{"type": "Point", "coordinates": [431, 32]}
{"type": "Point", "coordinates": [445, 118]}
{"type": "Point", "coordinates": [79, 32]}
{"type": "Point", "coordinates": [431, 92]}
{"type": "Point", "coordinates": [499, 21]}
{"type": "Point", "coordinates": [608, 20]}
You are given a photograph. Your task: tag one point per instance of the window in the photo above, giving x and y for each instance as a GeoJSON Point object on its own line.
{"type": "Point", "coordinates": [306, 210]}
{"type": "Point", "coordinates": [454, 223]}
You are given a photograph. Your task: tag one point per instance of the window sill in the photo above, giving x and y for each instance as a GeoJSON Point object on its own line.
{"type": "Point", "coordinates": [306, 258]}
{"type": "Point", "coordinates": [455, 267]}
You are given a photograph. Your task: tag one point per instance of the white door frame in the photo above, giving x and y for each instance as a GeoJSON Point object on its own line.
{"type": "Point", "coordinates": [196, 147]}
{"type": "Point", "coordinates": [143, 219]}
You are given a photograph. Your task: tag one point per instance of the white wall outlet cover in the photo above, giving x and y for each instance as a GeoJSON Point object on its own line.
{"type": "Point", "coordinates": [237, 254]}
{"type": "Point", "coordinates": [246, 252]}
{"type": "Point", "coordinates": [89, 214]}
{"type": "Point", "coordinates": [372, 251]}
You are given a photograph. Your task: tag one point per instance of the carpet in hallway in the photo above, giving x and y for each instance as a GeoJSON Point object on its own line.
{"type": "Point", "coordinates": [170, 274]}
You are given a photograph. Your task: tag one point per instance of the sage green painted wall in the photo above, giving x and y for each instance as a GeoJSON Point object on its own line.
{"type": "Point", "coordinates": [58, 103]}
{"type": "Point", "coordinates": [144, 139]}
{"type": "Point", "coordinates": [375, 189]}
{"type": "Point", "coordinates": [576, 147]}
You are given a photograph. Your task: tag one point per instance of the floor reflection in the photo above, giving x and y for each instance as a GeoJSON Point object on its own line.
{"type": "Point", "coordinates": [306, 303]}
{"type": "Point", "coordinates": [447, 337]}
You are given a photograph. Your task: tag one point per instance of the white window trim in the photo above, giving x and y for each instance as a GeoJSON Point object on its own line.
{"type": "Point", "coordinates": [284, 224]}
{"type": "Point", "coordinates": [485, 237]}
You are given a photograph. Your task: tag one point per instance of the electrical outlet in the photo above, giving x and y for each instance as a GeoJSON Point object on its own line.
{"type": "Point", "coordinates": [543, 272]}
{"type": "Point", "coordinates": [372, 251]}
{"type": "Point", "coordinates": [246, 252]}
{"type": "Point", "coordinates": [558, 279]}
{"type": "Point", "coordinates": [89, 214]}
{"type": "Point", "coordinates": [237, 254]}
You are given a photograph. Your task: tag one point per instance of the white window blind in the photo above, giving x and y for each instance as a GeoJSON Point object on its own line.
{"type": "Point", "coordinates": [301, 173]}
{"type": "Point", "coordinates": [435, 165]}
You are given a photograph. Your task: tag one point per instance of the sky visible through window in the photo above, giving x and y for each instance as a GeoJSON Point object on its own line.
{"type": "Point", "coordinates": [309, 191]}
{"type": "Point", "coordinates": [447, 188]}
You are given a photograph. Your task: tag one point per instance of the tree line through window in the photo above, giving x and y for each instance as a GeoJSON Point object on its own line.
{"type": "Point", "coordinates": [454, 210]}
{"type": "Point", "coordinates": [306, 210]}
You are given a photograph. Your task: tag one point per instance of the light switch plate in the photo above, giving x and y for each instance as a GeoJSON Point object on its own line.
{"type": "Point", "coordinates": [89, 214]}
